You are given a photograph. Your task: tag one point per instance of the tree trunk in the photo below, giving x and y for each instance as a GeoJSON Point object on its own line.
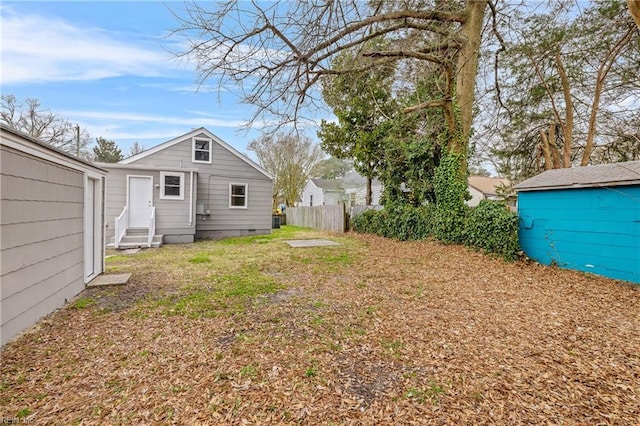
{"type": "Point", "coordinates": [467, 70]}
{"type": "Point", "coordinates": [634, 8]}
{"type": "Point", "coordinates": [567, 126]}
{"type": "Point", "coordinates": [603, 70]}
{"type": "Point", "coordinates": [369, 192]}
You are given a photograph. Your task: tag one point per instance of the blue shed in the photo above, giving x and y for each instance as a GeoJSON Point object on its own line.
{"type": "Point", "coordinates": [584, 218]}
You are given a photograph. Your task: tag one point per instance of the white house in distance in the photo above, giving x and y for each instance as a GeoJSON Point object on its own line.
{"type": "Point", "coordinates": [51, 229]}
{"type": "Point", "coordinates": [192, 186]}
{"type": "Point", "coordinates": [485, 188]}
{"type": "Point", "coordinates": [349, 190]}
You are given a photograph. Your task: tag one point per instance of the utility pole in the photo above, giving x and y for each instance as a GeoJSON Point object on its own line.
{"type": "Point", "coordinates": [77, 140]}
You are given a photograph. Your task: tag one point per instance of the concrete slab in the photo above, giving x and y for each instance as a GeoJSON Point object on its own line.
{"type": "Point", "coordinates": [131, 251]}
{"type": "Point", "coordinates": [311, 243]}
{"type": "Point", "coordinates": [109, 279]}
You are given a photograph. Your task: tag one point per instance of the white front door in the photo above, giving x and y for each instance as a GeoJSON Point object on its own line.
{"type": "Point", "coordinates": [140, 201]}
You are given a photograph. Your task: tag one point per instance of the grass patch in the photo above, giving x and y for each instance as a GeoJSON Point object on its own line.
{"type": "Point", "coordinates": [83, 303]}
{"type": "Point", "coordinates": [227, 294]}
{"type": "Point", "coordinates": [201, 258]}
{"type": "Point", "coordinates": [431, 394]}
{"type": "Point", "coordinates": [283, 233]}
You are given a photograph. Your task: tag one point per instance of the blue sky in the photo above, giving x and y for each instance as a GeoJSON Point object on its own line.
{"type": "Point", "coordinates": [109, 67]}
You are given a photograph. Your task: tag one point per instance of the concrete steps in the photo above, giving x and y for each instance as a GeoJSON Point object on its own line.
{"type": "Point", "coordinates": [136, 238]}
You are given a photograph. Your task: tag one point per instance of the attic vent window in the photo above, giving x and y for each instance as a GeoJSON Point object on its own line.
{"type": "Point", "coordinates": [202, 150]}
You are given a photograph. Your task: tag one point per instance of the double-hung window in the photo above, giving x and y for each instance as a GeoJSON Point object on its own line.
{"type": "Point", "coordinates": [202, 150]}
{"type": "Point", "coordinates": [238, 195]}
{"type": "Point", "coordinates": [171, 186]}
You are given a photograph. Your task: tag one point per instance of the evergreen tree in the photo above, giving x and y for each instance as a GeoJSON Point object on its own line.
{"type": "Point", "coordinates": [106, 151]}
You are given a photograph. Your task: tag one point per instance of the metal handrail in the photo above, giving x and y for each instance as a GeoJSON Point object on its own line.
{"type": "Point", "coordinates": [121, 225]}
{"type": "Point", "coordinates": [152, 226]}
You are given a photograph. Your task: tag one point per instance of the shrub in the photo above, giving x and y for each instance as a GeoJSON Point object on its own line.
{"type": "Point", "coordinates": [492, 227]}
{"type": "Point", "coordinates": [402, 222]}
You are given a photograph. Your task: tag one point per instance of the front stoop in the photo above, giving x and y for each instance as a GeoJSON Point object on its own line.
{"type": "Point", "coordinates": [136, 239]}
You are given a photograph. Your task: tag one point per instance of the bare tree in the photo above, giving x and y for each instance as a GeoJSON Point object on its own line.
{"type": "Point", "coordinates": [277, 52]}
{"type": "Point", "coordinates": [136, 148]}
{"type": "Point", "coordinates": [289, 159]}
{"type": "Point", "coordinates": [567, 79]}
{"type": "Point", "coordinates": [44, 125]}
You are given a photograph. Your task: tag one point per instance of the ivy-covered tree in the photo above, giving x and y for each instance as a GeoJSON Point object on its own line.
{"type": "Point", "coordinates": [286, 48]}
{"type": "Point", "coordinates": [106, 151]}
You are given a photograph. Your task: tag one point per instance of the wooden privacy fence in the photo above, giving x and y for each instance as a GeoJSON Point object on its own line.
{"type": "Point", "coordinates": [335, 218]}
{"type": "Point", "coordinates": [326, 218]}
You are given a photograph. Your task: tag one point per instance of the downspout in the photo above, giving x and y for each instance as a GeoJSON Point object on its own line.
{"type": "Point", "coordinates": [191, 200]}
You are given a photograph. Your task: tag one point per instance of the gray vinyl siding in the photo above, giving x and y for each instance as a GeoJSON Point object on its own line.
{"type": "Point", "coordinates": [42, 244]}
{"type": "Point", "coordinates": [213, 189]}
{"type": "Point", "coordinates": [172, 216]}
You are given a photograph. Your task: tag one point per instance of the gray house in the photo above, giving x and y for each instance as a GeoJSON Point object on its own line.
{"type": "Point", "coordinates": [51, 229]}
{"type": "Point", "coordinates": [193, 186]}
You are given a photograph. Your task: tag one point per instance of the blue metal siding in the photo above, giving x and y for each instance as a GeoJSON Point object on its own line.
{"type": "Point", "coordinates": [594, 230]}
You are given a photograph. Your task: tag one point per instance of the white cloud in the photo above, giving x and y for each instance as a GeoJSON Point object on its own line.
{"type": "Point", "coordinates": [124, 118]}
{"type": "Point", "coordinates": [46, 49]}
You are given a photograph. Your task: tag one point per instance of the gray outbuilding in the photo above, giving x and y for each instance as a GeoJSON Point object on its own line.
{"type": "Point", "coordinates": [51, 229]}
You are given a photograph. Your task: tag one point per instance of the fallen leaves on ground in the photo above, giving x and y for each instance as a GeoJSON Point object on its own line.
{"type": "Point", "coordinates": [404, 333]}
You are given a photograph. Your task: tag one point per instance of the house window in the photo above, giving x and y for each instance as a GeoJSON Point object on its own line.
{"type": "Point", "coordinates": [310, 200]}
{"type": "Point", "coordinates": [238, 195]}
{"type": "Point", "coordinates": [352, 199]}
{"type": "Point", "coordinates": [202, 150]}
{"type": "Point", "coordinates": [171, 186]}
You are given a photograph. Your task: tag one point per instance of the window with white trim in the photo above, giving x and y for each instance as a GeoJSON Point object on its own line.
{"type": "Point", "coordinates": [201, 150]}
{"type": "Point", "coordinates": [238, 195]}
{"type": "Point", "coordinates": [171, 186]}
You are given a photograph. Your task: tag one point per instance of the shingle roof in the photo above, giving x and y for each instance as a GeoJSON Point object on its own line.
{"type": "Point", "coordinates": [487, 185]}
{"type": "Point", "coordinates": [330, 184]}
{"type": "Point", "coordinates": [615, 174]}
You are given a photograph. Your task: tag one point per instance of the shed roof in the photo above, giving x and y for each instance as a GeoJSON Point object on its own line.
{"type": "Point", "coordinates": [615, 174]}
{"type": "Point", "coordinates": [487, 185]}
{"type": "Point", "coordinates": [47, 147]}
{"type": "Point", "coordinates": [327, 184]}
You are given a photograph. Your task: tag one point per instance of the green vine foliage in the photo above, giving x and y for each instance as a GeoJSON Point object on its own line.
{"type": "Point", "coordinates": [490, 227]}
{"type": "Point", "coordinates": [451, 191]}
{"type": "Point", "coordinates": [493, 228]}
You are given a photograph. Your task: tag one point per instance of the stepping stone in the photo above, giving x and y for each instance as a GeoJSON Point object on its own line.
{"type": "Point", "coordinates": [109, 279]}
{"type": "Point", "coordinates": [311, 243]}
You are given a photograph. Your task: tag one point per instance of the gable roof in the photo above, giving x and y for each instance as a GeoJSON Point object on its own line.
{"type": "Point", "coordinates": [615, 174]}
{"type": "Point", "coordinates": [487, 185]}
{"type": "Point", "coordinates": [189, 135]}
{"type": "Point", "coordinates": [327, 184]}
{"type": "Point", "coordinates": [355, 178]}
